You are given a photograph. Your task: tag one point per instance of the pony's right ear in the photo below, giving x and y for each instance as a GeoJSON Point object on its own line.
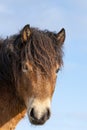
{"type": "Point", "coordinates": [25, 33]}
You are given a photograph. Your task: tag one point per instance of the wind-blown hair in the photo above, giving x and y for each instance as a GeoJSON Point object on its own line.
{"type": "Point", "coordinates": [42, 50]}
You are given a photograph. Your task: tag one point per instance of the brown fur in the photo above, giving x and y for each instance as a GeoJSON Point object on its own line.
{"type": "Point", "coordinates": [41, 51]}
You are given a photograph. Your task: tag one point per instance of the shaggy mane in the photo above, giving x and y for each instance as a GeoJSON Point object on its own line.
{"type": "Point", "coordinates": [42, 50]}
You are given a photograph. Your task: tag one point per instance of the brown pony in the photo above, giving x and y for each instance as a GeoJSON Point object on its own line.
{"type": "Point", "coordinates": [29, 62]}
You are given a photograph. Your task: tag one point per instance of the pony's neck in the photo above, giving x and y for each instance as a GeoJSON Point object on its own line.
{"type": "Point", "coordinates": [11, 108]}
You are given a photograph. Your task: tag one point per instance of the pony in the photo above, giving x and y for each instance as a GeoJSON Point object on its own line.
{"type": "Point", "coordinates": [29, 63]}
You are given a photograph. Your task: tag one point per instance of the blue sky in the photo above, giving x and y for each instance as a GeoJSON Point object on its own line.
{"type": "Point", "coordinates": [69, 105]}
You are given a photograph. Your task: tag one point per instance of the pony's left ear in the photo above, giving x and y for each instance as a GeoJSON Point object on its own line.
{"type": "Point", "coordinates": [25, 33]}
{"type": "Point", "coordinates": [61, 36]}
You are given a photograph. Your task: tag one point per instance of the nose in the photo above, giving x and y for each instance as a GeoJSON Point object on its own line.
{"type": "Point", "coordinates": [39, 120]}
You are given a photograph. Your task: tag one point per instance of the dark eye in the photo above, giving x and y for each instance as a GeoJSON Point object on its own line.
{"type": "Point", "coordinates": [57, 70]}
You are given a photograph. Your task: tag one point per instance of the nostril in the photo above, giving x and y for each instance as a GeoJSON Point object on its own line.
{"type": "Point", "coordinates": [48, 113]}
{"type": "Point", "coordinates": [32, 113]}
{"type": "Point", "coordinates": [46, 116]}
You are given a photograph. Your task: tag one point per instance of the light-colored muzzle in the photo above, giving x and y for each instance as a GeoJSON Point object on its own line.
{"type": "Point", "coordinates": [39, 111]}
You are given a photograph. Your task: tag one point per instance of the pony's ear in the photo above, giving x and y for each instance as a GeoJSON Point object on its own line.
{"type": "Point", "coordinates": [25, 33]}
{"type": "Point", "coordinates": [61, 36]}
